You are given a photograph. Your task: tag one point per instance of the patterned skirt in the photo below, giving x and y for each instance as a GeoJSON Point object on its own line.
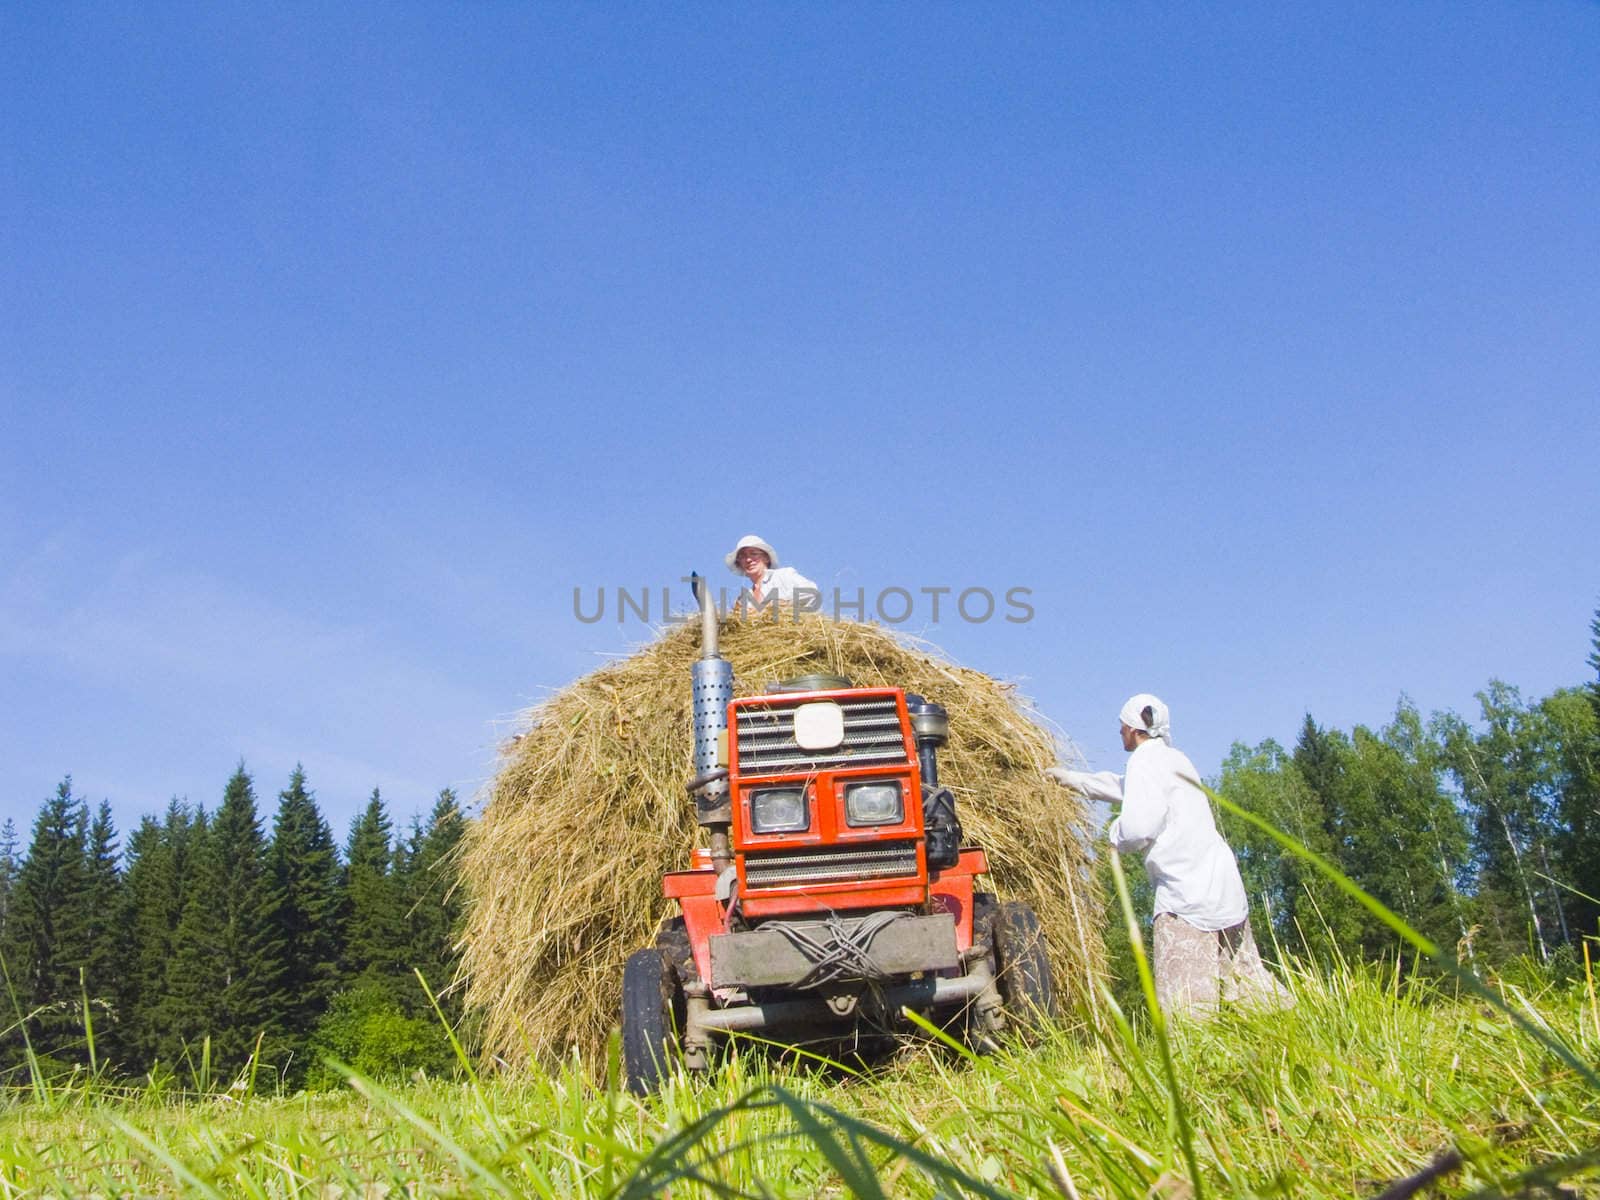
{"type": "Point", "coordinates": [1196, 969]}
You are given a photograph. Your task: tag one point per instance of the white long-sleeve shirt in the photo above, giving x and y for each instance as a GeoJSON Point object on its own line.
{"type": "Point", "coordinates": [1167, 818]}
{"type": "Point", "coordinates": [784, 582]}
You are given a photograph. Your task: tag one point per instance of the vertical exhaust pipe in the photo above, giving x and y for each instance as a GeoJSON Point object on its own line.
{"type": "Point", "coordinates": [712, 681]}
{"type": "Point", "coordinates": [709, 632]}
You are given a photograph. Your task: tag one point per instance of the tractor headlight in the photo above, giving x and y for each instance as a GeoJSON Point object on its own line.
{"type": "Point", "coordinates": [873, 804]}
{"type": "Point", "coordinates": [779, 810]}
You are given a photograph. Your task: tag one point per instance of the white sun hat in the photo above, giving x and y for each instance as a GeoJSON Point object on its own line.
{"type": "Point", "coordinates": [749, 541]}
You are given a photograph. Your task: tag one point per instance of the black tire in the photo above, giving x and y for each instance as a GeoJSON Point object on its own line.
{"type": "Point", "coordinates": [1022, 965]}
{"type": "Point", "coordinates": [672, 943]}
{"type": "Point", "coordinates": [649, 991]}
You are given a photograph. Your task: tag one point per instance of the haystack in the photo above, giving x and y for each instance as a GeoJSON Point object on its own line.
{"type": "Point", "coordinates": [563, 869]}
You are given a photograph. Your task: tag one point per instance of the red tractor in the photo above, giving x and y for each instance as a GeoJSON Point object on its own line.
{"type": "Point", "coordinates": [835, 891]}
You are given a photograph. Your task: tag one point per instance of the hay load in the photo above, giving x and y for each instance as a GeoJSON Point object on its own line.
{"type": "Point", "coordinates": [563, 870]}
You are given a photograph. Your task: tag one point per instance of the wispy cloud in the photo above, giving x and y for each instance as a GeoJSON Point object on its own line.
{"type": "Point", "coordinates": [145, 645]}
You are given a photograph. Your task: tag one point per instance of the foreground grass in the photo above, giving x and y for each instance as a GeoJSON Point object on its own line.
{"type": "Point", "coordinates": [1365, 1082]}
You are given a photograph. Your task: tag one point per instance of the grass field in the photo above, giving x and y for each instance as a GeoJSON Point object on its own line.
{"type": "Point", "coordinates": [1368, 1081]}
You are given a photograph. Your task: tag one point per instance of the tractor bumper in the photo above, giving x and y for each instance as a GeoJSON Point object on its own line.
{"type": "Point", "coordinates": [807, 954]}
{"type": "Point", "coordinates": [919, 994]}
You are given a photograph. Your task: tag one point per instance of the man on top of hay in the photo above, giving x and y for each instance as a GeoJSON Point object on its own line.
{"type": "Point", "coordinates": [758, 561]}
{"type": "Point", "coordinates": [1203, 947]}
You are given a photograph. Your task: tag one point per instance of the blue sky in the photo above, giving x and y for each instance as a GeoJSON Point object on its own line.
{"type": "Point", "coordinates": [339, 345]}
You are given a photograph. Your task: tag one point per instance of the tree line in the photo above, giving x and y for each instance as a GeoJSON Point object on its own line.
{"type": "Point", "coordinates": [206, 947]}
{"type": "Point", "coordinates": [1483, 836]}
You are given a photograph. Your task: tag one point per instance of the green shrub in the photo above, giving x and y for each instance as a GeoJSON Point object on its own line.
{"type": "Point", "coordinates": [367, 1029]}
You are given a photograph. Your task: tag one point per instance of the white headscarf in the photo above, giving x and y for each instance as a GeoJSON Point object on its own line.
{"type": "Point", "coordinates": [1160, 726]}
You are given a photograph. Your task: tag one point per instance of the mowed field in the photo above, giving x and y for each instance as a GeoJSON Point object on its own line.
{"type": "Point", "coordinates": [1373, 1080]}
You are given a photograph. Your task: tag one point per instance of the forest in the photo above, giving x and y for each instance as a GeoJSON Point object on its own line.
{"type": "Point", "coordinates": [208, 950]}
{"type": "Point", "coordinates": [206, 946]}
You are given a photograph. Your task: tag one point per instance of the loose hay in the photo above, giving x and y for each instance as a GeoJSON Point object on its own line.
{"type": "Point", "coordinates": [563, 870]}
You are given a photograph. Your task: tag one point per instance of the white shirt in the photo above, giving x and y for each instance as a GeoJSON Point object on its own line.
{"type": "Point", "coordinates": [1168, 818]}
{"type": "Point", "coordinates": [782, 583]}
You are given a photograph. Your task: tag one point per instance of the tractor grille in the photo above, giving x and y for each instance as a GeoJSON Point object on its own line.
{"type": "Point", "coordinates": [782, 868]}
{"type": "Point", "coordinates": [872, 735]}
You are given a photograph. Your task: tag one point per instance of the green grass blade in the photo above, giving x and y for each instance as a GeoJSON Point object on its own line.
{"type": "Point", "coordinates": [860, 1131]}
{"type": "Point", "coordinates": [88, 1022]}
{"type": "Point", "coordinates": [180, 1172]}
{"type": "Point", "coordinates": [1158, 1022]}
{"type": "Point", "coordinates": [36, 1079]}
{"type": "Point", "coordinates": [1544, 1179]}
{"type": "Point", "coordinates": [942, 1036]}
{"type": "Point", "coordinates": [449, 1031]}
{"type": "Point", "coordinates": [608, 1162]}
{"type": "Point", "coordinates": [465, 1159]}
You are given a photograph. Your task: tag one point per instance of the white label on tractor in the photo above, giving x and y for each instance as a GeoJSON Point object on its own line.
{"type": "Point", "coordinates": [819, 725]}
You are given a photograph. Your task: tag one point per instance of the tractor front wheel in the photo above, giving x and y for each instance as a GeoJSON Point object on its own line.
{"type": "Point", "coordinates": [649, 987]}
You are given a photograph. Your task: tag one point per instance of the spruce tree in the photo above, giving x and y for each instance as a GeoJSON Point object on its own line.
{"type": "Point", "coordinates": [11, 1045]}
{"type": "Point", "coordinates": [1580, 802]}
{"type": "Point", "coordinates": [8, 870]}
{"type": "Point", "coordinates": [303, 867]}
{"type": "Point", "coordinates": [1322, 760]}
{"type": "Point", "coordinates": [433, 902]}
{"type": "Point", "coordinates": [105, 958]}
{"type": "Point", "coordinates": [1594, 662]}
{"type": "Point", "coordinates": [147, 862]}
{"type": "Point", "coordinates": [228, 961]}
{"type": "Point", "coordinates": [374, 940]}
{"type": "Point", "coordinates": [182, 1017]}
{"type": "Point", "coordinates": [157, 882]}
{"type": "Point", "coordinates": [47, 930]}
